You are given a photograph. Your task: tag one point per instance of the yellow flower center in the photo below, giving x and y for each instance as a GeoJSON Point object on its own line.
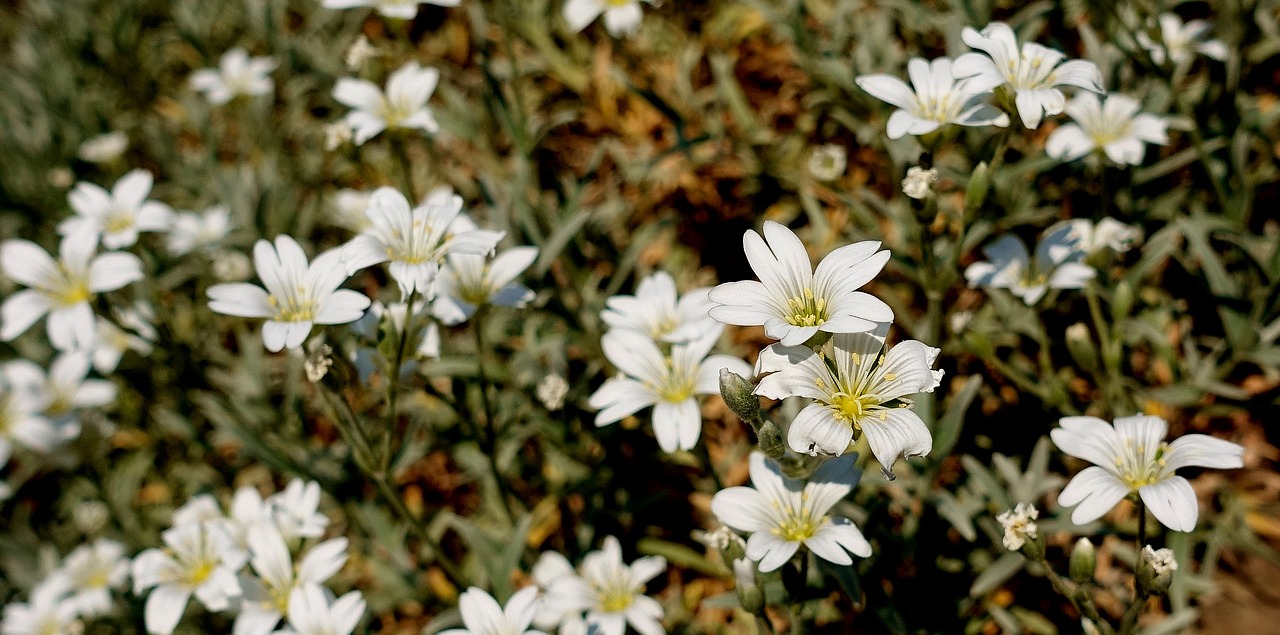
{"type": "Point", "coordinates": [118, 220]}
{"type": "Point", "coordinates": [200, 572]}
{"type": "Point", "coordinates": [796, 523]}
{"type": "Point", "coordinates": [1136, 470]}
{"type": "Point", "coordinates": [295, 309]}
{"type": "Point", "coordinates": [806, 310]}
{"type": "Point", "coordinates": [615, 600]}
{"type": "Point", "coordinates": [851, 408]}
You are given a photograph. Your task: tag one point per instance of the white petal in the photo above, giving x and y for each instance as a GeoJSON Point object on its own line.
{"type": "Point", "coordinates": [816, 431]}
{"type": "Point", "coordinates": [742, 508]}
{"type": "Point", "coordinates": [1173, 503]}
{"type": "Point", "coordinates": [1095, 490]}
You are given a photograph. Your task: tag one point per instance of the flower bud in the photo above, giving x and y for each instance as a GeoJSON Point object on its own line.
{"type": "Point", "coordinates": [1155, 570]}
{"type": "Point", "coordinates": [1021, 532]}
{"type": "Point", "coordinates": [1083, 561]}
{"type": "Point", "coordinates": [1121, 301]}
{"type": "Point", "coordinates": [744, 575]}
{"type": "Point", "coordinates": [737, 392]}
{"type": "Point", "coordinates": [975, 194]}
{"type": "Point", "coordinates": [1080, 345]}
{"type": "Point", "coordinates": [771, 442]}
{"type": "Point", "coordinates": [919, 182]}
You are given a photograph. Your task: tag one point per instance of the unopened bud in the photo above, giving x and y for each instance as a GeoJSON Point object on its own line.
{"type": "Point", "coordinates": [1155, 570]}
{"type": "Point", "coordinates": [1083, 561]}
{"type": "Point", "coordinates": [771, 442]}
{"type": "Point", "coordinates": [744, 574]}
{"type": "Point", "coordinates": [1121, 301]}
{"type": "Point", "coordinates": [738, 393]}
{"type": "Point", "coordinates": [1080, 345]}
{"type": "Point", "coordinates": [975, 193]}
{"type": "Point", "coordinates": [1088, 627]}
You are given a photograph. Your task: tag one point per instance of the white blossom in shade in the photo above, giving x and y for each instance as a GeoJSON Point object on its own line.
{"type": "Point", "coordinates": [297, 295]}
{"type": "Point", "coordinates": [103, 148]}
{"type": "Point", "coordinates": [1033, 72]}
{"type": "Point", "coordinates": [1161, 561]}
{"type": "Point", "coordinates": [348, 209]}
{"type": "Point", "coordinates": [117, 216]}
{"type": "Point", "coordinates": [198, 230]}
{"type": "Point", "coordinates": [313, 611]}
{"type": "Point", "coordinates": [1108, 233]}
{"type": "Point", "coordinates": [22, 404]}
{"type": "Point", "coordinates": [621, 17]}
{"type": "Point", "coordinates": [610, 592]}
{"type": "Point", "coordinates": [828, 162]}
{"type": "Point", "coordinates": [1019, 525]}
{"type": "Point", "coordinates": [934, 99]}
{"type": "Point", "coordinates": [792, 301]}
{"type": "Point", "coordinates": [403, 105]}
{"type": "Point", "coordinates": [1114, 127]}
{"type": "Point", "coordinates": [237, 74]}
{"type": "Point", "coordinates": [656, 311]}
{"type": "Point", "coordinates": [399, 9]}
{"type": "Point", "coordinates": [111, 343]}
{"type": "Point", "coordinates": [782, 513]}
{"type": "Point", "coordinates": [1057, 265]}
{"type": "Point", "coordinates": [92, 571]}
{"type": "Point", "coordinates": [50, 611]}
{"type": "Point", "coordinates": [198, 559]}
{"type": "Point", "coordinates": [267, 594]}
{"type": "Point", "coordinates": [296, 510]}
{"type": "Point", "coordinates": [482, 615]}
{"type": "Point", "coordinates": [415, 241]}
{"type": "Point", "coordinates": [668, 382]}
{"type": "Point", "coordinates": [919, 182]}
{"type": "Point", "coordinates": [857, 384]}
{"type": "Point", "coordinates": [69, 389]}
{"type": "Point", "coordinates": [1131, 457]}
{"type": "Point", "coordinates": [469, 281]}
{"type": "Point", "coordinates": [1178, 41]}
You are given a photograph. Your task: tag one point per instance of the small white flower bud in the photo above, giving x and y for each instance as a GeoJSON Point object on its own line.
{"type": "Point", "coordinates": [1019, 525]}
{"type": "Point", "coordinates": [359, 51]}
{"type": "Point", "coordinates": [828, 162]}
{"type": "Point", "coordinates": [919, 182]}
{"type": "Point", "coordinates": [551, 391]}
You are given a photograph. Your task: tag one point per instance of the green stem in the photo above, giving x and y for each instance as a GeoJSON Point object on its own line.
{"type": "Point", "coordinates": [1142, 526]}
{"type": "Point", "coordinates": [406, 166]}
{"type": "Point", "coordinates": [1082, 601]}
{"type": "Point", "coordinates": [393, 385]}
{"type": "Point", "coordinates": [489, 440]}
{"type": "Point", "coordinates": [1111, 387]}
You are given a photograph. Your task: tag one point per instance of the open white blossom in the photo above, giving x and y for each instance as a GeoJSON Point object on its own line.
{"type": "Point", "coordinates": [237, 74]}
{"type": "Point", "coordinates": [934, 99]}
{"type": "Point", "coordinates": [1019, 525]}
{"type": "Point", "coordinates": [70, 388]}
{"type": "Point", "coordinates": [103, 148]}
{"type": "Point", "coordinates": [110, 344]}
{"type": "Point", "coordinates": [295, 510]}
{"type": "Point", "coordinates": [621, 17]}
{"type": "Point", "coordinates": [1057, 265]}
{"type": "Point", "coordinates": [782, 513]}
{"type": "Point", "coordinates": [267, 596]}
{"type": "Point", "coordinates": [470, 281]}
{"type": "Point", "coordinates": [668, 382]}
{"type": "Point", "coordinates": [117, 216]}
{"type": "Point", "coordinates": [1108, 233]}
{"type": "Point", "coordinates": [297, 295]}
{"type": "Point", "coordinates": [550, 568]}
{"type": "Point", "coordinates": [1178, 41]}
{"type": "Point", "coordinates": [191, 230]}
{"type": "Point", "coordinates": [857, 384]}
{"type": "Point", "coordinates": [403, 105]}
{"type": "Point", "coordinates": [399, 9]}
{"type": "Point", "coordinates": [92, 571]}
{"type": "Point", "coordinates": [199, 559]}
{"type": "Point", "coordinates": [656, 311]}
{"type": "Point", "coordinates": [22, 404]}
{"type": "Point", "coordinates": [1033, 71]}
{"type": "Point", "coordinates": [610, 592]}
{"type": "Point", "coordinates": [50, 611]}
{"type": "Point", "coordinates": [919, 182]}
{"type": "Point", "coordinates": [313, 611]}
{"type": "Point", "coordinates": [828, 162]}
{"type": "Point", "coordinates": [61, 288]}
{"type": "Point", "coordinates": [482, 615]}
{"type": "Point", "coordinates": [1114, 127]}
{"type": "Point", "coordinates": [792, 301]}
{"type": "Point", "coordinates": [248, 510]}
{"type": "Point", "coordinates": [1131, 457]}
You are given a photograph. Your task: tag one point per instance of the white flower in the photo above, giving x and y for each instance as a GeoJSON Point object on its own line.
{"type": "Point", "coordinates": [551, 391]}
{"type": "Point", "coordinates": [783, 513]}
{"type": "Point", "coordinates": [621, 17]}
{"type": "Point", "coordinates": [611, 593]}
{"type": "Point", "coordinates": [482, 614]}
{"type": "Point", "coordinates": [110, 344]}
{"type": "Point", "coordinates": [191, 231]}
{"type": "Point", "coordinates": [1180, 40]}
{"type": "Point", "coordinates": [404, 105]}
{"type": "Point", "coordinates": [312, 611]}
{"type": "Point", "coordinates": [414, 241]}
{"type": "Point", "coordinates": [267, 597]}
{"type": "Point", "coordinates": [237, 74]}
{"type": "Point", "coordinates": [198, 510]}
{"type": "Point", "coordinates": [1108, 233]}
{"type": "Point", "coordinates": [469, 281]}
{"type": "Point", "coordinates": [856, 384]}
{"type": "Point", "coordinates": [1114, 127]}
{"type": "Point", "coordinates": [49, 612]}
{"type": "Point", "coordinates": [118, 215]}
{"type": "Point", "coordinates": [1033, 72]}
{"type": "Point", "coordinates": [1132, 458]}
{"type": "Point", "coordinates": [399, 9]}
{"type": "Point", "coordinates": [103, 148]}
{"type": "Point", "coordinates": [656, 312]}
{"type": "Point", "coordinates": [295, 510]}
{"type": "Point", "coordinates": [1019, 525]}
{"type": "Point", "coordinates": [22, 403]}
{"type": "Point", "coordinates": [248, 510]}
{"type": "Point", "coordinates": [669, 383]}
{"type": "Point", "coordinates": [1057, 266]}
{"type": "Point", "coordinates": [92, 571]}
{"type": "Point", "coordinates": [69, 388]}
{"type": "Point", "coordinates": [360, 51]}
{"type": "Point", "coordinates": [297, 295]}
{"type": "Point", "coordinates": [919, 182]}
{"type": "Point", "coordinates": [198, 559]}
{"type": "Point", "coordinates": [1161, 561]}
{"type": "Point", "coordinates": [348, 209]}
{"type": "Point", "coordinates": [828, 162]}
{"type": "Point", "coordinates": [933, 100]}
{"type": "Point", "coordinates": [792, 301]}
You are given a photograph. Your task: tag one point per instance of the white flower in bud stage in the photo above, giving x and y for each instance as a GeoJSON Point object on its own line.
{"type": "Point", "coordinates": [297, 295]}
{"type": "Point", "coordinates": [191, 230]}
{"type": "Point", "coordinates": [1114, 127]}
{"type": "Point", "coordinates": [1178, 41]}
{"type": "Point", "coordinates": [415, 241]}
{"type": "Point", "coordinates": [1019, 525]}
{"type": "Point", "coordinates": [656, 312]}
{"type": "Point", "coordinates": [1131, 457]}
{"type": "Point", "coordinates": [198, 559]}
{"type": "Point", "coordinates": [792, 301]}
{"type": "Point", "coordinates": [919, 182]}
{"type": "Point", "coordinates": [1033, 72]}
{"type": "Point", "coordinates": [482, 615]}
{"type": "Point", "coordinates": [111, 343]}
{"type": "Point", "coordinates": [668, 382]}
{"type": "Point", "coordinates": [828, 162]}
{"type": "Point", "coordinates": [1162, 561]}
{"type": "Point", "coordinates": [103, 148]}
{"type": "Point", "coordinates": [1108, 233]}
{"type": "Point", "coordinates": [50, 611]}
{"type": "Point", "coordinates": [399, 9]}
{"type": "Point", "coordinates": [610, 592]}
{"type": "Point", "coordinates": [1057, 265]}
{"type": "Point", "coordinates": [934, 99]}
{"type": "Point", "coordinates": [857, 383]}
{"type": "Point", "coordinates": [61, 288]}
{"type": "Point", "coordinates": [295, 510]}
{"type": "Point", "coordinates": [267, 597]}
{"type": "Point", "coordinates": [91, 572]}
{"type": "Point", "coordinates": [782, 513]}
{"type": "Point", "coordinates": [621, 17]}
{"type": "Point", "coordinates": [404, 105]}
{"type": "Point", "coordinates": [313, 611]}
{"type": "Point", "coordinates": [469, 281]}
{"type": "Point", "coordinates": [237, 75]}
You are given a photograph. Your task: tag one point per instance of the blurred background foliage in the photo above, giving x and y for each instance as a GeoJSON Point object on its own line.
{"type": "Point", "coordinates": [619, 157]}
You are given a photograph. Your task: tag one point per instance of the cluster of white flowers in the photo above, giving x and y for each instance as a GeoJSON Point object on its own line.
{"type": "Point", "coordinates": [602, 596]}
{"type": "Point", "coordinates": [79, 589]}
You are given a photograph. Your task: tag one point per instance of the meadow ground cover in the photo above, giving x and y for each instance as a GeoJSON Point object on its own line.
{"type": "Point", "coordinates": [599, 316]}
